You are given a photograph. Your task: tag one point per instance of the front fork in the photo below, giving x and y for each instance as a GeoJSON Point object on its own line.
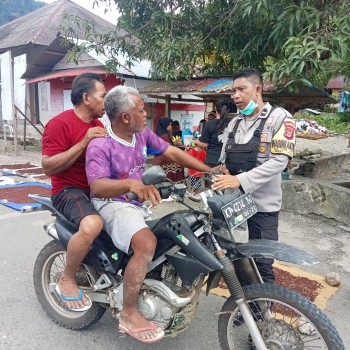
{"type": "Point", "coordinates": [236, 291]}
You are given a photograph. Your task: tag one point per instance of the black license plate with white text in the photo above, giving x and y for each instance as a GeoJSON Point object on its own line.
{"type": "Point", "coordinates": [239, 210]}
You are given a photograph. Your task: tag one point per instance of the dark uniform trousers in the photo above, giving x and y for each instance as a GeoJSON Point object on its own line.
{"type": "Point", "coordinates": [264, 226]}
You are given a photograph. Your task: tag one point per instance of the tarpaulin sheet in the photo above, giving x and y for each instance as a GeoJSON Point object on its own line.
{"type": "Point", "coordinates": [23, 207]}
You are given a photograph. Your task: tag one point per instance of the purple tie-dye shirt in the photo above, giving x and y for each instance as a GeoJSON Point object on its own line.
{"type": "Point", "coordinates": [113, 158]}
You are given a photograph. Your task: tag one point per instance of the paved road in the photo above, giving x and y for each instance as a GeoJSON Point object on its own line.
{"type": "Point", "coordinates": [24, 325]}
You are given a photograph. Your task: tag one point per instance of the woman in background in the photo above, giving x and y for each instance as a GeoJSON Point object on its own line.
{"type": "Point", "coordinates": [173, 170]}
{"type": "Point", "coordinates": [209, 139]}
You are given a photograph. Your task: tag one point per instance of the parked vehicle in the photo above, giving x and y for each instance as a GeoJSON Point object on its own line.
{"type": "Point", "coordinates": [194, 247]}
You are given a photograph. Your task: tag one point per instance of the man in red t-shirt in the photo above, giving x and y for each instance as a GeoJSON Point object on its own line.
{"type": "Point", "coordinates": [64, 144]}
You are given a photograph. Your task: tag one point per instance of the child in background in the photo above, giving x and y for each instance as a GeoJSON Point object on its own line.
{"type": "Point", "coordinates": [195, 177]}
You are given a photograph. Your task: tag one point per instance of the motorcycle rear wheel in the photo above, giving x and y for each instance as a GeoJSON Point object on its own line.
{"type": "Point", "coordinates": [284, 319]}
{"type": "Point", "coordinates": [47, 270]}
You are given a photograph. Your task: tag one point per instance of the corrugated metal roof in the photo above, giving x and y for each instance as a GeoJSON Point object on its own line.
{"type": "Point", "coordinates": [67, 73]}
{"type": "Point", "coordinates": [42, 26]}
{"type": "Point", "coordinates": [43, 63]}
{"type": "Point", "coordinates": [55, 54]}
{"type": "Point", "coordinates": [137, 69]}
{"type": "Point", "coordinates": [179, 87]}
{"type": "Point", "coordinates": [221, 85]}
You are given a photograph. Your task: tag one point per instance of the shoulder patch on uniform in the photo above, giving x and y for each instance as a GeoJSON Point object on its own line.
{"type": "Point", "coordinates": [283, 141]}
{"type": "Point", "coordinates": [289, 129]}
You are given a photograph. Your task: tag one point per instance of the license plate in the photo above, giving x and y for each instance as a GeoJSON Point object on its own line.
{"type": "Point", "coordinates": [239, 210]}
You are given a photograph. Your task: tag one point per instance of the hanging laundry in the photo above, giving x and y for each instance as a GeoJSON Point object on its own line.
{"type": "Point", "coordinates": [344, 101]}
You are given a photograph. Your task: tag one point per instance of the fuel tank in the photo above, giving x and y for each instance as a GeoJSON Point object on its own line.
{"type": "Point", "coordinates": [178, 228]}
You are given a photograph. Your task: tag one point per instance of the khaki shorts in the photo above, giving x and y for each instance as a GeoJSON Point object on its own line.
{"type": "Point", "coordinates": [121, 220]}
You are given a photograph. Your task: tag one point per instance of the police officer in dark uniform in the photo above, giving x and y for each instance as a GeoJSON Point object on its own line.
{"type": "Point", "coordinates": [257, 146]}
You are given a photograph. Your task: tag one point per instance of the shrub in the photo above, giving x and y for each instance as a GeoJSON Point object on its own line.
{"type": "Point", "coordinates": [344, 117]}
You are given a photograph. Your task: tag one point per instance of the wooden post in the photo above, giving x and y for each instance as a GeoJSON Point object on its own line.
{"type": "Point", "coordinates": [15, 131]}
{"type": "Point", "coordinates": [167, 106]}
{"type": "Point", "coordinates": [24, 133]}
{"type": "Point", "coordinates": [14, 112]}
{"type": "Point", "coordinates": [5, 137]}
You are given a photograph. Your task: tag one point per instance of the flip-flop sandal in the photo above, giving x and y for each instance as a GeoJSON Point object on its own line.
{"type": "Point", "coordinates": [133, 333]}
{"type": "Point", "coordinates": [79, 297]}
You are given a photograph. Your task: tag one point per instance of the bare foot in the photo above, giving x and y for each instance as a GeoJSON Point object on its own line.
{"type": "Point", "coordinates": [69, 289]}
{"type": "Point", "coordinates": [139, 328]}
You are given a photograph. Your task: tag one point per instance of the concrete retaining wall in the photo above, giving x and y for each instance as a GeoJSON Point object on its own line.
{"type": "Point", "coordinates": [324, 167]}
{"type": "Point", "coordinates": [310, 197]}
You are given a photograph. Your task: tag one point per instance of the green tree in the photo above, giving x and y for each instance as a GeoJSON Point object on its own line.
{"type": "Point", "coordinates": [12, 9]}
{"type": "Point", "coordinates": [289, 40]}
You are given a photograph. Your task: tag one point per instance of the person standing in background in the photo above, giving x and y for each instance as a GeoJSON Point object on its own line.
{"type": "Point", "coordinates": [174, 171]}
{"type": "Point", "coordinates": [200, 128]}
{"type": "Point", "coordinates": [175, 129]}
{"type": "Point", "coordinates": [211, 115]}
{"type": "Point", "coordinates": [210, 136]}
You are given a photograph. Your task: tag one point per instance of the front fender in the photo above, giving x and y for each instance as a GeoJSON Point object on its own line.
{"type": "Point", "coordinates": [262, 248]}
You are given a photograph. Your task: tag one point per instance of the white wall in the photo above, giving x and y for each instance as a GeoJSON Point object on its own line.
{"type": "Point", "coordinates": [44, 101]}
{"type": "Point", "coordinates": [19, 88]}
{"type": "Point", "coordinates": [181, 116]}
{"type": "Point", "coordinates": [6, 87]}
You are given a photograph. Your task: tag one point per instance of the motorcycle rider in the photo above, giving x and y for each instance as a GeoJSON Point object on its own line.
{"type": "Point", "coordinates": [114, 166]}
{"type": "Point", "coordinates": [64, 143]}
{"type": "Point", "coordinates": [257, 146]}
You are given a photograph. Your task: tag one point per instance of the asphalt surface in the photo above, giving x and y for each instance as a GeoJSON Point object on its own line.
{"type": "Point", "coordinates": [24, 325]}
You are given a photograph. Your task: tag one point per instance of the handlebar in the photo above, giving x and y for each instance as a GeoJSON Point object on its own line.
{"type": "Point", "coordinates": [167, 188]}
{"type": "Point", "coordinates": [131, 196]}
{"type": "Point", "coordinates": [164, 189]}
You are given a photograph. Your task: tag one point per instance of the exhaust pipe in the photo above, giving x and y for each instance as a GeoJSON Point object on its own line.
{"type": "Point", "coordinates": [51, 230]}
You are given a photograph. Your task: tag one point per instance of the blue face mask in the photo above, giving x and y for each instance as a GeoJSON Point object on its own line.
{"type": "Point", "coordinates": [249, 108]}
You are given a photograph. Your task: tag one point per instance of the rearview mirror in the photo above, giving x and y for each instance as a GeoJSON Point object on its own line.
{"type": "Point", "coordinates": [153, 175]}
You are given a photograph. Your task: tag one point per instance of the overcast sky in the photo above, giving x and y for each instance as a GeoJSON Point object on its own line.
{"type": "Point", "coordinates": [109, 16]}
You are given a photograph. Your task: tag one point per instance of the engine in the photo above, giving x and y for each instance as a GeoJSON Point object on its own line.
{"type": "Point", "coordinates": [159, 301]}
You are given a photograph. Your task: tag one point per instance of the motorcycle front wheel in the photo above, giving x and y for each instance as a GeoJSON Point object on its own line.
{"type": "Point", "coordinates": [285, 319]}
{"type": "Point", "coordinates": [48, 268]}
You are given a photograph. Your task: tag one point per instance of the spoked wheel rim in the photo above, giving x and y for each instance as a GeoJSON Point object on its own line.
{"type": "Point", "coordinates": [281, 326]}
{"type": "Point", "coordinates": [51, 272]}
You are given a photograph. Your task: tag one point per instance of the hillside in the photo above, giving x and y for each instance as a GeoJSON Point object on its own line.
{"type": "Point", "coordinates": [12, 9]}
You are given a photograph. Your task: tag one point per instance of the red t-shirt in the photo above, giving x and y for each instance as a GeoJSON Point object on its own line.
{"type": "Point", "coordinates": [60, 134]}
{"type": "Point", "coordinates": [200, 154]}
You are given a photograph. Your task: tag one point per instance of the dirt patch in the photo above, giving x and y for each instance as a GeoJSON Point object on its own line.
{"type": "Point", "coordinates": [19, 194]}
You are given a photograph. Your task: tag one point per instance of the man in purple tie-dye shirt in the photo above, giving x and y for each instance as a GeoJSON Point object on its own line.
{"type": "Point", "coordinates": [114, 166]}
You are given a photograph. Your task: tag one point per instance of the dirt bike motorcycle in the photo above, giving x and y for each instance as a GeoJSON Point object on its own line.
{"type": "Point", "coordinates": [195, 247]}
